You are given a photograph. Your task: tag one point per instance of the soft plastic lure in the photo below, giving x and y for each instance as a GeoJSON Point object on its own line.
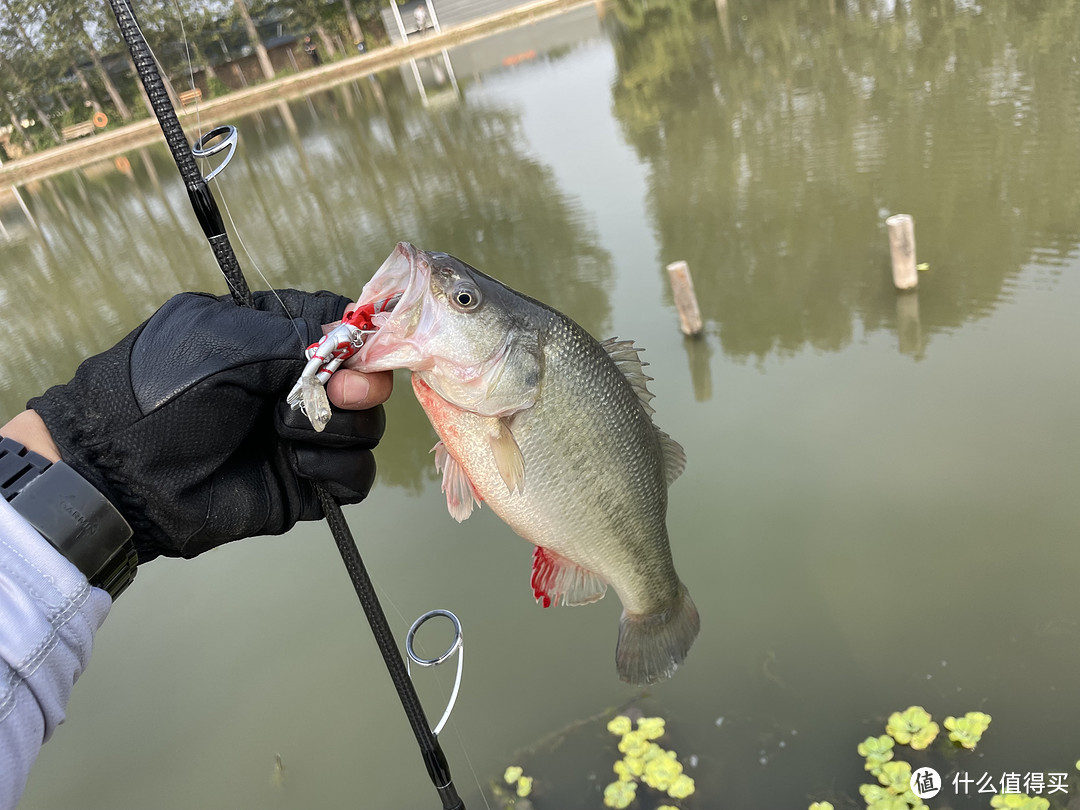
{"type": "Point", "coordinates": [326, 356]}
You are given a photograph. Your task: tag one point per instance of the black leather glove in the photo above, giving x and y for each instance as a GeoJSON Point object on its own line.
{"type": "Point", "coordinates": [183, 424]}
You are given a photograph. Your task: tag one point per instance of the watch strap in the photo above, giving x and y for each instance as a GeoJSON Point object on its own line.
{"type": "Point", "coordinates": [71, 514]}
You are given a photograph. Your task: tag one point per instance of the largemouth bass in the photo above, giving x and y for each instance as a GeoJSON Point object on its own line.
{"type": "Point", "coordinates": [550, 428]}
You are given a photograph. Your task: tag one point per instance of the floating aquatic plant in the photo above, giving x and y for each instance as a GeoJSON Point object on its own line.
{"type": "Point", "coordinates": [915, 728]}
{"type": "Point", "coordinates": [681, 787]}
{"type": "Point", "coordinates": [1019, 801]}
{"type": "Point", "coordinates": [890, 802]}
{"type": "Point", "coordinates": [634, 744]}
{"type": "Point", "coordinates": [661, 772]}
{"type": "Point", "coordinates": [896, 777]}
{"type": "Point", "coordinates": [874, 793]}
{"type": "Point", "coordinates": [620, 794]}
{"type": "Point", "coordinates": [878, 751]}
{"type": "Point", "coordinates": [624, 772]}
{"type": "Point", "coordinates": [912, 727]}
{"type": "Point", "coordinates": [651, 727]}
{"type": "Point", "coordinates": [646, 761]}
{"type": "Point", "coordinates": [514, 776]}
{"type": "Point", "coordinates": [967, 730]}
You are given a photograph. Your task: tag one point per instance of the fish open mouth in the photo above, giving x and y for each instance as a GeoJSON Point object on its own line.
{"type": "Point", "coordinates": [394, 296]}
{"type": "Point", "coordinates": [394, 282]}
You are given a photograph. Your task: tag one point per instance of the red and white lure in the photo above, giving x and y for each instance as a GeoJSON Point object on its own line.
{"type": "Point", "coordinates": [326, 356]}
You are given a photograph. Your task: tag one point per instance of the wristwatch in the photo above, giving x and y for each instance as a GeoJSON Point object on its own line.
{"type": "Point", "coordinates": [71, 514]}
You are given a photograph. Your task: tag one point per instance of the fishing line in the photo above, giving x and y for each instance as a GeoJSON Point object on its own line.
{"type": "Point", "coordinates": [190, 67]}
{"type": "Point", "coordinates": [218, 186]}
{"type": "Point", "coordinates": [209, 216]}
{"type": "Point", "coordinates": [251, 258]}
{"type": "Point", "coordinates": [202, 201]}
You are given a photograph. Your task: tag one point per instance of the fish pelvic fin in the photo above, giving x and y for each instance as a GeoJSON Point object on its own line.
{"type": "Point", "coordinates": [508, 460]}
{"type": "Point", "coordinates": [460, 492]}
{"type": "Point", "coordinates": [651, 646]}
{"type": "Point", "coordinates": [559, 581]}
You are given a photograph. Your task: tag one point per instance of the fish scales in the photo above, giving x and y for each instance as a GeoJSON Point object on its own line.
{"type": "Point", "coordinates": [571, 504]}
{"type": "Point", "coordinates": [553, 431]}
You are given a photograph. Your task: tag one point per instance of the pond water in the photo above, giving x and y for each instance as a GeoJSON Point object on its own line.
{"type": "Point", "coordinates": [880, 505]}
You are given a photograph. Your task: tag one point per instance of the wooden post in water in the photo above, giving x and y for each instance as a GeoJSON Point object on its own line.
{"type": "Point", "coordinates": [682, 287]}
{"type": "Point", "coordinates": [902, 246]}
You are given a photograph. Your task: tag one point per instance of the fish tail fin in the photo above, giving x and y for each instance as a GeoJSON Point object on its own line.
{"type": "Point", "coordinates": [651, 646]}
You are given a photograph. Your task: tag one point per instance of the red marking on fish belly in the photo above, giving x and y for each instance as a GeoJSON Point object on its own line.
{"type": "Point", "coordinates": [444, 418]}
{"type": "Point", "coordinates": [442, 414]}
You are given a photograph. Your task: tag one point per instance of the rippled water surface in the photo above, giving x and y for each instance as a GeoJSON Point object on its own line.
{"type": "Point", "coordinates": [880, 503]}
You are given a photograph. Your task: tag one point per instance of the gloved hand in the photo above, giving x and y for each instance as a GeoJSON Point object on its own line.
{"type": "Point", "coordinates": [184, 427]}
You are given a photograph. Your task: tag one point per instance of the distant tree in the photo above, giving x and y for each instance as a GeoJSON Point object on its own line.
{"type": "Point", "coordinates": [256, 43]}
{"type": "Point", "coordinates": [73, 20]}
{"type": "Point", "coordinates": [354, 23]}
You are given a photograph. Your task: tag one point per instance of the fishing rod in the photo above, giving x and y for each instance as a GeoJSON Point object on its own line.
{"type": "Point", "coordinates": [209, 216]}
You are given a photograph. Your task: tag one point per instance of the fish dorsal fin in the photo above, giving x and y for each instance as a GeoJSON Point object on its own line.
{"type": "Point", "coordinates": [674, 457]}
{"type": "Point", "coordinates": [559, 581]}
{"type": "Point", "coordinates": [625, 355]}
{"type": "Point", "coordinates": [460, 492]}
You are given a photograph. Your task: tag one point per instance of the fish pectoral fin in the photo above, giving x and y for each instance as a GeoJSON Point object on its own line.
{"type": "Point", "coordinates": [460, 492]}
{"type": "Point", "coordinates": [508, 460]}
{"type": "Point", "coordinates": [559, 581]}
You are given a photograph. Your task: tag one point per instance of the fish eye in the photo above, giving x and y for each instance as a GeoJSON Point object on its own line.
{"type": "Point", "coordinates": [466, 298]}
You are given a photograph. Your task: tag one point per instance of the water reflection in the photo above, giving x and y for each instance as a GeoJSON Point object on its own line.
{"type": "Point", "coordinates": [778, 139]}
{"type": "Point", "coordinates": [825, 470]}
{"type": "Point", "coordinates": [319, 193]}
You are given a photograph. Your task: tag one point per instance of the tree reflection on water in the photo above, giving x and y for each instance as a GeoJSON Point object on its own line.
{"type": "Point", "coordinates": [779, 137]}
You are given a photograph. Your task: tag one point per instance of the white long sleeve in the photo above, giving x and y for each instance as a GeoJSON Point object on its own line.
{"type": "Point", "coordinates": [48, 616]}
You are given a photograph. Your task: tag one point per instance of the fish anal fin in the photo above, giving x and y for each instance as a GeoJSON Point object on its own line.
{"type": "Point", "coordinates": [507, 454]}
{"type": "Point", "coordinates": [460, 492]}
{"type": "Point", "coordinates": [559, 581]}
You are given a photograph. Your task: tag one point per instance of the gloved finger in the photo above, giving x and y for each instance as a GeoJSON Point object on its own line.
{"type": "Point", "coordinates": [355, 429]}
{"type": "Point", "coordinates": [194, 329]}
{"type": "Point", "coordinates": [357, 390]}
{"type": "Point", "coordinates": [196, 336]}
{"type": "Point", "coordinates": [322, 306]}
{"type": "Point", "coordinates": [308, 312]}
{"type": "Point", "coordinates": [347, 473]}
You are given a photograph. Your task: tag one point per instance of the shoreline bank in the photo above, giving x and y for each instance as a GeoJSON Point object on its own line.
{"type": "Point", "coordinates": [213, 112]}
